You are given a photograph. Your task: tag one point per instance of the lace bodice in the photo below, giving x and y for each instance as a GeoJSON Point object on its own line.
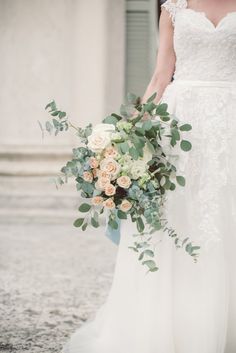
{"type": "Point", "coordinates": [203, 51]}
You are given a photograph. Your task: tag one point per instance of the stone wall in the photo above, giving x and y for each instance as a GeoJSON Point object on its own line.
{"type": "Point", "coordinates": [68, 50]}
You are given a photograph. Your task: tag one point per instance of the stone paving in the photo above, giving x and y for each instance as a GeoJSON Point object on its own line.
{"type": "Point", "coordinates": [53, 277]}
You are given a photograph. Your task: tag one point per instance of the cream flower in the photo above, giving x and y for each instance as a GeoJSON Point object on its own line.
{"type": "Point", "coordinates": [116, 136]}
{"type": "Point", "coordinates": [97, 200]}
{"type": "Point", "coordinates": [102, 182]}
{"type": "Point", "coordinates": [93, 162]}
{"type": "Point", "coordinates": [110, 166]}
{"type": "Point", "coordinates": [103, 173]}
{"type": "Point", "coordinates": [100, 137]}
{"type": "Point", "coordinates": [124, 181]}
{"type": "Point", "coordinates": [88, 176]}
{"type": "Point", "coordinates": [111, 152]}
{"type": "Point", "coordinates": [109, 203]}
{"type": "Point", "coordinates": [125, 205]}
{"type": "Point", "coordinates": [138, 168]}
{"type": "Point", "coordinates": [110, 189]}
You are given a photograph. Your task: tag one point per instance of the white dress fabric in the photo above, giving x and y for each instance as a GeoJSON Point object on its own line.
{"type": "Point", "coordinates": [184, 307]}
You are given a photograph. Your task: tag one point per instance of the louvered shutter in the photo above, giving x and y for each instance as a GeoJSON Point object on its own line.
{"type": "Point", "coordinates": [141, 44]}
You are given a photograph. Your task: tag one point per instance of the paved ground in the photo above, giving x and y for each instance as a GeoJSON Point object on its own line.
{"type": "Point", "coordinates": [52, 279]}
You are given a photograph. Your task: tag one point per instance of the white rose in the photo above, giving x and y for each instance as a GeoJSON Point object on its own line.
{"type": "Point", "coordinates": [100, 137]}
{"type": "Point", "coordinates": [138, 168]}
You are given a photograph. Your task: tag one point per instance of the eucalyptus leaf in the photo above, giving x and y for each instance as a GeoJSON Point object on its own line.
{"type": "Point", "coordinates": [140, 224]}
{"type": "Point", "coordinates": [55, 113]}
{"type": "Point", "coordinates": [49, 127]}
{"type": "Point", "coordinates": [113, 224]}
{"type": "Point", "coordinates": [150, 99]}
{"type": "Point", "coordinates": [131, 98]}
{"type": "Point", "coordinates": [151, 264]}
{"type": "Point", "coordinates": [181, 180]}
{"type": "Point", "coordinates": [94, 222]}
{"type": "Point", "coordinates": [121, 214]}
{"type": "Point", "coordinates": [162, 109]}
{"type": "Point", "coordinates": [134, 153]}
{"type": "Point", "coordinates": [78, 222]}
{"type": "Point", "coordinates": [147, 125]}
{"type": "Point", "coordinates": [185, 145]}
{"type": "Point", "coordinates": [62, 115]}
{"type": "Point", "coordinates": [84, 226]}
{"type": "Point", "coordinates": [185, 127]}
{"type": "Point", "coordinates": [84, 207]}
{"type": "Point", "coordinates": [110, 120]}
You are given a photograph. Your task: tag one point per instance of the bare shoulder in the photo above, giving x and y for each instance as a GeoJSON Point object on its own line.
{"type": "Point", "coordinates": [165, 18]}
{"type": "Point", "coordinates": [167, 15]}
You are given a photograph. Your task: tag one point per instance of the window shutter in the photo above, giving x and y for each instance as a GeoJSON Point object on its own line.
{"type": "Point", "coordinates": [141, 44]}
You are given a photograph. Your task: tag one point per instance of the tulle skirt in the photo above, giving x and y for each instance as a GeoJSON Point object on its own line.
{"type": "Point", "coordinates": [184, 307]}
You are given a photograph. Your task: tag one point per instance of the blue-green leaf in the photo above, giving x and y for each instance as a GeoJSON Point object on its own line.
{"type": "Point", "coordinates": [85, 207]}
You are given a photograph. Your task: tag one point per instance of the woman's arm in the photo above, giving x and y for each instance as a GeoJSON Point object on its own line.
{"type": "Point", "coordinates": [165, 64]}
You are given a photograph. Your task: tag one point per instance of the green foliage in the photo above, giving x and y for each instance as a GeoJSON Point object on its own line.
{"type": "Point", "coordinates": [140, 224]}
{"type": "Point", "coordinates": [150, 99]}
{"type": "Point", "coordinates": [59, 120]}
{"type": "Point", "coordinates": [84, 207]}
{"type": "Point", "coordinates": [185, 127]}
{"type": "Point", "coordinates": [121, 214]}
{"type": "Point", "coordinates": [94, 222]}
{"type": "Point", "coordinates": [111, 119]}
{"type": "Point", "coordinates": [151, 265]}
{"type": "Point", "coordinates": [78, 222]}
{"type": "Point", "coordinates": [185, 145]}
{"type": "Point", "coordinates": [181, 180]}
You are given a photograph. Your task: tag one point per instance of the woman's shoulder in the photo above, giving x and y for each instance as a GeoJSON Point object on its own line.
{"type": "Point", "coordinates": [173, 6]}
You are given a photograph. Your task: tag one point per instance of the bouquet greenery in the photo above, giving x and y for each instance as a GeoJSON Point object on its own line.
{"type": "Point", "coordinates": [122, 166]}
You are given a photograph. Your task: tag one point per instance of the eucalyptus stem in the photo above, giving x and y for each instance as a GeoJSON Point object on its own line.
{"type": "Point", "coordinates": [73, 126]}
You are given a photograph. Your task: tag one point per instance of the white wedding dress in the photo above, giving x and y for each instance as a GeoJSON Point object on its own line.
{"type": "Point", "coordinates": [185, 307]}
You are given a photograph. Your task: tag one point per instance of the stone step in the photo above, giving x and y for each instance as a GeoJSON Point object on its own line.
{"type": "Point", "coordinates": [14, 215]}
{"type": "Point", "coordinates": [27, 194]}
{"type": "Point", "coordinates": [39, 160]}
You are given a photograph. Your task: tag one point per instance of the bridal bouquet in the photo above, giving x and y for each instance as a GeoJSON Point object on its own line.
{"type": "Point", "coordinates": [122, 165]}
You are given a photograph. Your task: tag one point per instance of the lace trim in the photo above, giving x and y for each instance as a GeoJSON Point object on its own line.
{"type": "Point", "coordinates": [174, 7]}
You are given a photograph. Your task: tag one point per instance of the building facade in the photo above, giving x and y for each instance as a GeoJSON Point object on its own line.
{"type": "Point", "coordinates": [85, 54]}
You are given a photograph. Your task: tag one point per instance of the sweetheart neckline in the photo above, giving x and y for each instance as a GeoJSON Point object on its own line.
{"type": "Point", "coordinates": [203, 13]}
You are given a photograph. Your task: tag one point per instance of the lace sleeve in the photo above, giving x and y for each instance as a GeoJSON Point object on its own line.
{"type": "Point", "coordinates": [172, 7]}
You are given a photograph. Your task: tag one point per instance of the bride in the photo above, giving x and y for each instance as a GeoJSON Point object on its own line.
{"type": "Point", "coordinates": [184, 307]}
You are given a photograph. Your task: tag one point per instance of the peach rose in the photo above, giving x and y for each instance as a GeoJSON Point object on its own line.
{"type": "Point", "coordinates": [109, 203]}
{"type": "Point", "coordinates": [110, 190]}
{"type": "Point", "coordinates": [102, 182]}
{"type": "Point", "coordinates": [103, 174]}
{"type": "Point", "coordinates": [125, 205]}
{"type": "Point", "coordinates": [110, 166]}
{"type": "Point", "coordinates": [97, 200]}
{"type": "Point", "coordinates": [124, 181]}
{"type": "Point", "coordinates": [110, 152]}
{"type": "Point", "coordinates": [88, 176]}
{"type": "Point", "coordinates": [93, 162]}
